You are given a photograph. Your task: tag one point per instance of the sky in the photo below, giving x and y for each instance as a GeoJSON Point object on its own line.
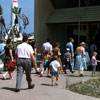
{"type": "Point", "coordinates": [27, 9]}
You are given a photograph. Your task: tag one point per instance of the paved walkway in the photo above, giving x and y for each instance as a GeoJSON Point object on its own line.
{"type": "Point", "coordinates": [43, 89]}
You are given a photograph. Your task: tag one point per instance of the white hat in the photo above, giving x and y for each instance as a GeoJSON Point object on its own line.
{"type": "Point", "coordinates": [67, 49]}
{"type": "Point", "coordinates": [82, 43]}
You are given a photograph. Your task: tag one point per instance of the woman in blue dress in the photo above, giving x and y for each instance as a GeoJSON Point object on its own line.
{"type": "Point", "coordinates": [80, 64]}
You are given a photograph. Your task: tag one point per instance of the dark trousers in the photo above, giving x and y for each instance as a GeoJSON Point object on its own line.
{"type": "Point", "coordinates": [93, 69]}
{"type": "Point", "coordinates": [67, 64]}
{"type": "Point", "coordinates": [23, 64]}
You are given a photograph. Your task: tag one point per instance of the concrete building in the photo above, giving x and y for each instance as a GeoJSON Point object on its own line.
{"type": "Point", "coordinates": [62, 19]}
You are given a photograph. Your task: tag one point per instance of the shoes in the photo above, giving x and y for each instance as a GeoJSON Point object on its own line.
{"type": "Point", "coordinates": [31, 86]}
{"type": "Point", "coordinates": [65, 72]}
{"type": "Point", "coordinates": [17, 90]}
{"type": "Point", "coordinates": [4, 77]}
{"type": "Point", "coordinates": [93, 75]}
{"type": "Point", "coordinates": [41, 75]}
{"type": "Point", "coordinates": [56, 84]}
{"type": "Point", "coordinates": [73, 72]}
{"type": "Point", "coordinates": [52, 84]}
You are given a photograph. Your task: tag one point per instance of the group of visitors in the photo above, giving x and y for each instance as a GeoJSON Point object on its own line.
{"type": "Point", "coordinates": [25, 56]}
{"type": "Point", "coordinates": [22, 59]}
{"type": "Point", "coordinates": [78, 61]}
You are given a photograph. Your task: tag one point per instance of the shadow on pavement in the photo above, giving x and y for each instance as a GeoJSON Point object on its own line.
{"type": "Point", "coordinates": [8, 88]}
{"type": "Point", "coordinates": [78, 75]}
{"type": "Point", "coordinates": [13, 89]}
{"type": "Point", "coordinates": [1, 78]}
{"type": "Point", "coordinates": [46, 84]}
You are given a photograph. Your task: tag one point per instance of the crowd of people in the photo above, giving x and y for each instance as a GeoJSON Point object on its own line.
{"type": "Point", "coordinates": [26, 54]}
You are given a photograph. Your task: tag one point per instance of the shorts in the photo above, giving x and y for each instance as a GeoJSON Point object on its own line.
{"type": "Point", "coordinates": [46, 65]}
{"type": "Point", "coordinates": [54, 74]}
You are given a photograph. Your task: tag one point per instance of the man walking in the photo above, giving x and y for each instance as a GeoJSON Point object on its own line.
{"type": "Point", "coordinates": [47, 46]}
{"type": "Point", "coordinates": [70, 46]}
{"type": "Point", "coordinates": [24, 55]}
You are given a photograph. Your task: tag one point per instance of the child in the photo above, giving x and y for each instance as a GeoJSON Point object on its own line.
{"type": "Point", "coordinates": [11, 68]}
{"type": "Point", "coordinates": [45, 63]}
{"type": "Point", "coordinates": [94, 63]}
{"type": "Point", "coordinates": [55, 68]}
{"type": "Point", "coordinates": [67, 59]}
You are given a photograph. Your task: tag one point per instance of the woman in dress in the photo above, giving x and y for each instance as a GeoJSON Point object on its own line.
{"type": "Point", "coordinates": [80, 64]}
{"type": "Point", "coordinates": [56, 52]}
{"type": "Point", "coordinates": [8, 57]}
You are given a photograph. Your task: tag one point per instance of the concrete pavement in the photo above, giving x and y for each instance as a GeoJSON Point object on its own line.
{"type": "Point", "coordinates": [43, 89]}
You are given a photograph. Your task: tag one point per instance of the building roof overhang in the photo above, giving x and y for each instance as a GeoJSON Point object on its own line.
{"type": "Point", "coordinates": [74, 15]}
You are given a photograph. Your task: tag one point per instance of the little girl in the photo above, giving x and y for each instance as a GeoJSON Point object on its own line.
{"type": "Point", "coordinates": [94, 63]}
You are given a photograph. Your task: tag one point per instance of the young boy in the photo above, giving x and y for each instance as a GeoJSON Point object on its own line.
{"type": "Point", "coordinates": [55, 68]}
{"type": "Point", "coordinates": [45, 63]}
{"type": "Point", "coordinates": [94, 63]}
{"type": "Point", "coordinates": [67, 59]}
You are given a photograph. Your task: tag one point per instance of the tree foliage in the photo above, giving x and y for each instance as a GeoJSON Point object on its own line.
{"type": "Point", "coordinates": [17, 12]}
{"type": "Point", "coordinates": [0, 10]}
{"type": "Point", "coordinates": [2, 21]}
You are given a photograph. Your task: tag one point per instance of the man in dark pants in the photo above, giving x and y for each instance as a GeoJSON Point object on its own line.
{"type": "Point", "coordinates": [24, 55]}
{"type": "Point", "coordinates": [70, 46]}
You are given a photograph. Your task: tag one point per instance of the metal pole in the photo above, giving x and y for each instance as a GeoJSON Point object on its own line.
{"type": "Point", "coordinates": [79, 25]}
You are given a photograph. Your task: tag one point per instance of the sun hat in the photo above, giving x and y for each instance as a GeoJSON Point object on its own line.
{"type": "Point", "coordinates": [82, 43]}
{"type": "Point", "coordinates": [67, 49]}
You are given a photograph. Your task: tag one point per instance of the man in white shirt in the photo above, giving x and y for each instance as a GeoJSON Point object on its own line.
{"type": "Point", "coordinates": [47, 46]}
{"type": "Point", "coordinates": [24, 55]}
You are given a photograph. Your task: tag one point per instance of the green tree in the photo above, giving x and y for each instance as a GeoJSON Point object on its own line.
{"type": "Point", "coordinates": [17, 12]}
{"type": "Point", "coordinates": [2, 21]}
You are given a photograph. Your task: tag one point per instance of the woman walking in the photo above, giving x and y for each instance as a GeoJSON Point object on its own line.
{"type": "Point", "coordinates": [8, 57]}
{"type": "Point", "coordinates": [80, 64]}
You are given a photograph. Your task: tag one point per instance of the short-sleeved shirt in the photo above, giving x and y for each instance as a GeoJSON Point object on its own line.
{"type": "Point", "coordinates": [47, 46]}
{"type": "Point", "coordinates": [24, 50]}
{"type": "Point", "coordinates": [55, 64]}
{"type": "Point", "coordinates": [67, 55]}
{"type": "Point", "coordinates": [70, 46]}
{"type": "Point", "coordinates": [93, 60]}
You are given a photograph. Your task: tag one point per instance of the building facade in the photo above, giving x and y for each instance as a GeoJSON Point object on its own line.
{"type": "Point", "coordinates": [62, 19]}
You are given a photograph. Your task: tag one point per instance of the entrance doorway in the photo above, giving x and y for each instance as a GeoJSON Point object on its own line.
{"type": "Point", "coordinates": [72, 31]}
